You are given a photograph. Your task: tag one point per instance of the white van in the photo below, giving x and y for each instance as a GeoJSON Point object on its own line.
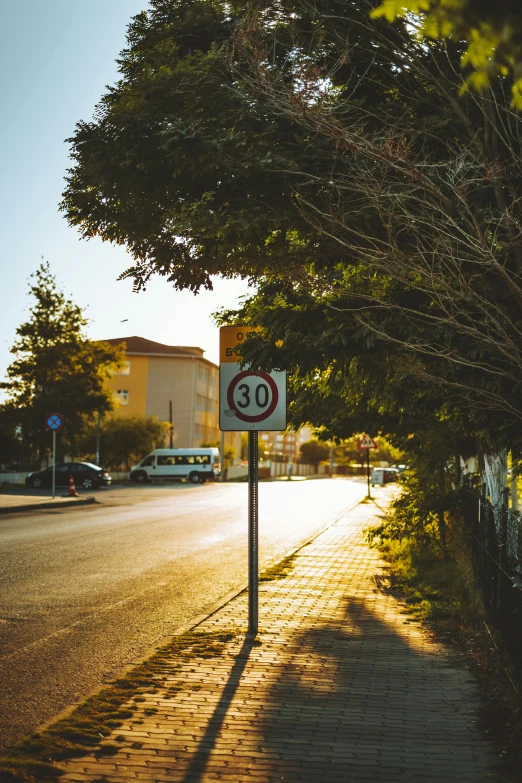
{"type": "Point", "coordinates": [196, 465]}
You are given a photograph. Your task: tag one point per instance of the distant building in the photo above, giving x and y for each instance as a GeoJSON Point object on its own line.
{"type": "Point", "coordinates": [283, 446]}
{"type": "Point", "coordinates": [154, 375]}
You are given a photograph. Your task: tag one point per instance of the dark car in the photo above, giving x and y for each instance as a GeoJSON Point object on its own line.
{"type": "Point", "coordinates": [85, 475]}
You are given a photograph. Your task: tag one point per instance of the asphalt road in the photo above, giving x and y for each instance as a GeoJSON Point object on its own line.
{"type": "Point", "coordinates": [86, 591]}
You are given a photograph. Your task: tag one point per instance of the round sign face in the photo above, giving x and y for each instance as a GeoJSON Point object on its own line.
{"type": "Point", "coordinates": [54, 422]}
{"type": "Point", "coordinates": [252, 396]}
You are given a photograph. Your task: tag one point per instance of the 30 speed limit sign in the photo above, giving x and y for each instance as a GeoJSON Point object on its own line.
{"type": "Point", "coordinates": [248, 399]}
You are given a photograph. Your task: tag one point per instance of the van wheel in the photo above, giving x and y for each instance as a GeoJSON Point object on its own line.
{"type": "Point", "coordinates": [194, 478]}
{"type": "Point", "coordinates": [141, 477]}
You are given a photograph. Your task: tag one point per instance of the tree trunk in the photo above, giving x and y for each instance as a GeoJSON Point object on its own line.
{"type": "Point", "coordinates": [442, 532]}
{"type": "Point", "coordinates": [495, 467]}
{"type": "Point", "coordinates": [458, 469]}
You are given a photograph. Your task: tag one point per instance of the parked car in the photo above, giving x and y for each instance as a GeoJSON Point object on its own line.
{"type": "Point", "coordinates": [195, 465]}
{"type": "Point", "coordinates": [85, 475]}
{"type": "Point", "coordinates": [384, 475]}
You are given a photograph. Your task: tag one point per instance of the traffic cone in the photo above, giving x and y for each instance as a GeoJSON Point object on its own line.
{"type": "Point", "coordinates": [72, 487]}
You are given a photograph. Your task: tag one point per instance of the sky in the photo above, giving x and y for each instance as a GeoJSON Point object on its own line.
{"type": "Point", "coordinates": [56, 58]}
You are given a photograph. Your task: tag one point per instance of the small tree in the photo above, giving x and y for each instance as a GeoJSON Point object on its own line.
{"type": "Point", "coordinates": [125, 440]}
{"type": "Point", "coordinates": [56, 369]}
{"type": "Point", "coordinates": [313, 452]}
{"type": "Point", "coordinates": [229, 452]}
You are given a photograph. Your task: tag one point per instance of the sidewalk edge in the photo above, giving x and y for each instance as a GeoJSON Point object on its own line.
{"type": "Point", "coordinates": [42, 506]}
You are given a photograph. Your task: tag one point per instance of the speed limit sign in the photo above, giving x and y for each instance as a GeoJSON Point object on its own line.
{"type": "Point", "coordinates": [248, 399]}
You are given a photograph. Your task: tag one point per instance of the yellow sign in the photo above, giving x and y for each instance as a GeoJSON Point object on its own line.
{"type": "Point", "coordinates": [230, 339]}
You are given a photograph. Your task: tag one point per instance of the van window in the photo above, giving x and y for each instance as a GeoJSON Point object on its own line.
{"type": "Point", "coordinates": [148, 461]}
{"type": "Point", "coordinates": [181, 459]}
{"type": "Point", "coordinates": [164, 459]}
{"type": "Point", "coordinates": [202, 459]}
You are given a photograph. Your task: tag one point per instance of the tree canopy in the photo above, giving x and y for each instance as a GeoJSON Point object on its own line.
{"type": "Point", "coordinates": [326, 155]}
{"type": "Point", "coordinates": [492, 31]}
{"type": "Point", "coordinates": [314, 452]}
{"type": "Point", "coordinates": [124, 440]}
{"type": "Point", "coordinates": [56, 369]}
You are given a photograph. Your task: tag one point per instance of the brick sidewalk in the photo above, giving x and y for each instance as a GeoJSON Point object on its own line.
{"type": "Point", "coordinates": [340, 686]}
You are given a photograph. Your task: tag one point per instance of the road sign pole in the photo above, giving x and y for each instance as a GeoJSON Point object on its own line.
{"type": "Point", "coordinates": [368, 470]}
{"type": "Point", "coordinates": [253, 503]}
{"type": "Point", "coordinates": [54, 460]}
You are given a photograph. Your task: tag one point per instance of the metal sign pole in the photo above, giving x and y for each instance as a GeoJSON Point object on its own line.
{"type": "Point", "coordinates": [54, 460]}
{"type": "Point", "coordinates": [368, 470]}
{"type": "Point", "coordinates": [253, 503]}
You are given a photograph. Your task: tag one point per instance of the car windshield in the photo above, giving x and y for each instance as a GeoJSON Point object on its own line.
{"type": "Point", "coordinates": [89, 465]}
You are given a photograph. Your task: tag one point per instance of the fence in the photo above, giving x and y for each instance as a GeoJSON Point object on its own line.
{"type": "Point", "coordinates": [497, 563]}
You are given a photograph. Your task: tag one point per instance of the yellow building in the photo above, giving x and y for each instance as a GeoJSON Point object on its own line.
{"type": "Point", "coordinates": [156, 376]}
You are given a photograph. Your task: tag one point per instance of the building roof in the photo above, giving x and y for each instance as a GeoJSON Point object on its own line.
{"type": "Point", "coordinates": [139, 345]}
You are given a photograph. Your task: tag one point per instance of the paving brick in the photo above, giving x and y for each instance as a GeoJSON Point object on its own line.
{"type": "Point", "coordinates": [342, 687]}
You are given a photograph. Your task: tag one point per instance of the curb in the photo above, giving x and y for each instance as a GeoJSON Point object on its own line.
{"type": "Point", "coordinates": [49, 505]}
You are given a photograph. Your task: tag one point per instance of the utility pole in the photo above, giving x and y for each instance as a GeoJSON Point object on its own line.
{"type": "Point", "coordinates": [222, 456]}
{"type": "Point", "coordinates": [98, 432]}
{"type": "Point", "coordinates": [331, 459]}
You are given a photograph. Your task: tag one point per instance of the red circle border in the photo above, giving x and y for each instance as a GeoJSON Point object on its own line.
{"type": "Point", "coordinates": [271, 408]}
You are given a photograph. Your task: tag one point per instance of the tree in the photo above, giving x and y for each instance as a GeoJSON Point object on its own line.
{"type": "Point", "coordinates": [492, 32]}
{"type": "Point", "coordinates": [317, 160]}
{"type": "Point", "coordinates": [185, 169]}
{"type": "Point", "coordinates": [229, 453]}
{"type": "Point", "coordinates": [325, 155]}
{"type": "Point", "coordinates": [125, 440]}
{"type": "Point", "coordinates": [314, 452]}
{"type": "Point", "coordinates": [428, 222]}
{"type": "Point", "coordinates": [56, 368]}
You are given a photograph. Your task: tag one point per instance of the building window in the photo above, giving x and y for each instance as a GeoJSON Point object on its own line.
{"type": "Point", "coordinates": [124, 369]}
{"type": "Point", "coordinates": [122, 396]}
{"type": "Point", "coordinates": [197, 430]}
{"type": "Point", "coordinates": [204, 403]}
{"type": "Point", "coordinates": [202, 373]}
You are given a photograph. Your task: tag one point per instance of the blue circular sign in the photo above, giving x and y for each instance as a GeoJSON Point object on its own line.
{"type": "Point", "coordinates": [54, 422]}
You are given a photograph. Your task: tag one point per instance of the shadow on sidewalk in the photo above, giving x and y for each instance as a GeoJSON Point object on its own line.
{"type": "Point", "coordinates": [352, 700]}
{"type": "Point", "coordinates": [355, 700]}
{"type": "Point", "coordinates": [208, 741]}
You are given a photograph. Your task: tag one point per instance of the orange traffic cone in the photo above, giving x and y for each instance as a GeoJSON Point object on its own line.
{"type": "Point", "coordinates": [72, 487]}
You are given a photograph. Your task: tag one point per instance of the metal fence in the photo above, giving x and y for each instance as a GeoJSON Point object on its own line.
{"type": "Point", "coordinates": [496, 546]}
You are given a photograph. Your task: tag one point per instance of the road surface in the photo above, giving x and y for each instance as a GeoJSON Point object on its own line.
{"type": "Point", "coordinates": [86, 591]}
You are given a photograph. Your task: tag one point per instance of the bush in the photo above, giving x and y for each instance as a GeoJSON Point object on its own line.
{"type": "Point", "coordinates": [125, 440]}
